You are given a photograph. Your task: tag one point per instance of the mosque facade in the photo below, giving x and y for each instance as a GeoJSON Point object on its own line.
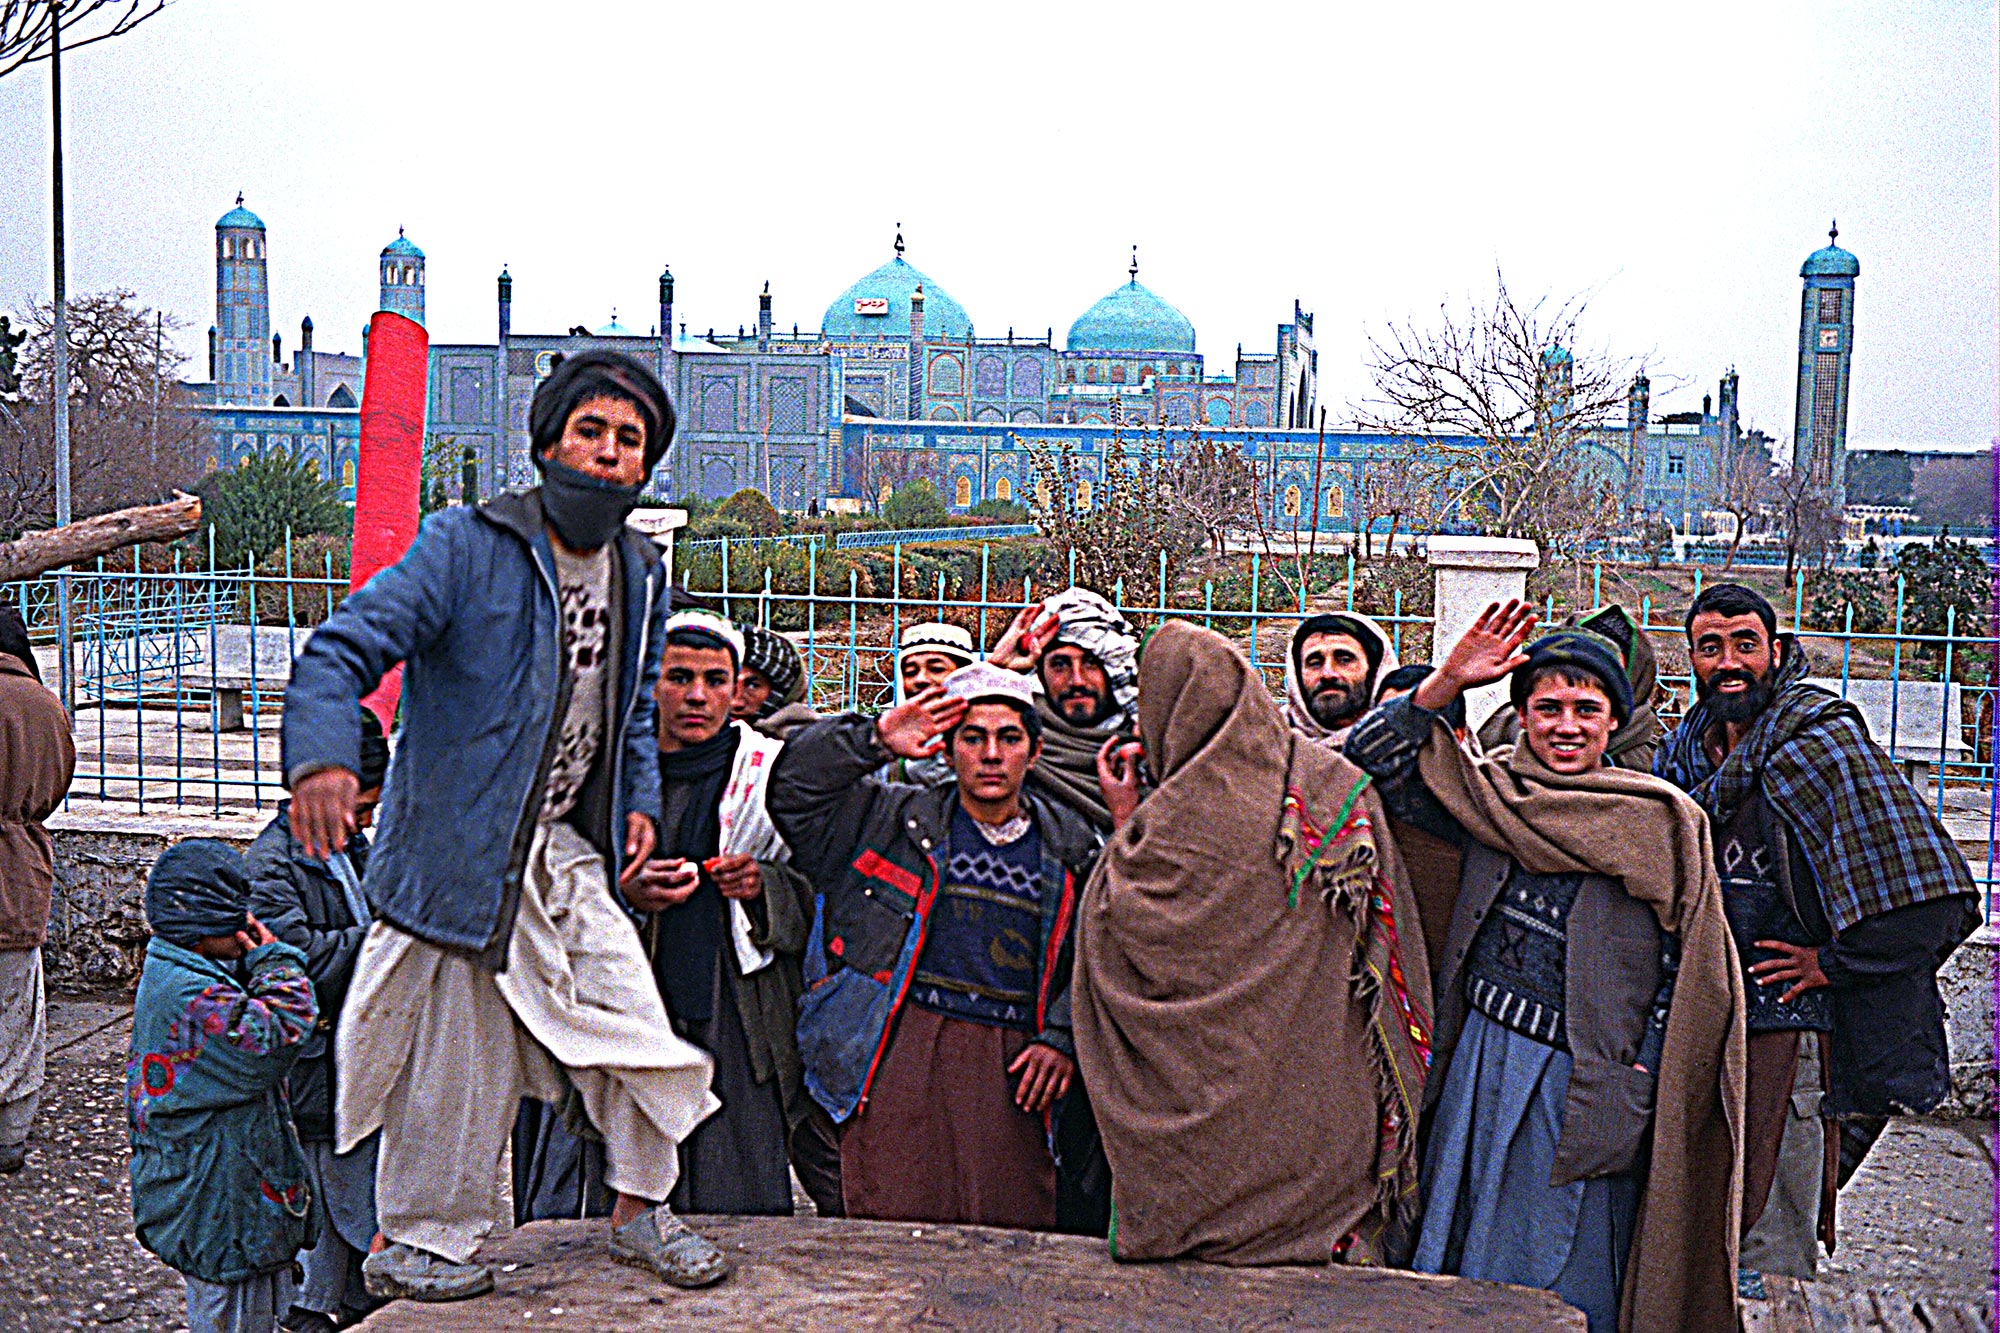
{"type": "Point", "coordinates": [899, 382]}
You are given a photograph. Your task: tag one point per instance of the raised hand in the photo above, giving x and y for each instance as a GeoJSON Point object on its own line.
{"type": "Point", "coordinates": [1487, 652]}
{"type": "Point", "coordinates": [1027, 638]}
{"type": "Point", "coordinates": [914, 729]}
{"type": "Point", "coordinates": [1118, 778]}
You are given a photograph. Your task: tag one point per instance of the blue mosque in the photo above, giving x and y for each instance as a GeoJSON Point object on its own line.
{"type": "Point", "coordinates": [899, 382]}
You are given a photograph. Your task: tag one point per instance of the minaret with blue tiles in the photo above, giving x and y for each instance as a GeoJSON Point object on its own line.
{"type": "Point", "coordinates": [242, 346]}
{"type": "Point", "coordinates": [403, 278]}
{"type": "Point", "coordinates": [1826, 352]}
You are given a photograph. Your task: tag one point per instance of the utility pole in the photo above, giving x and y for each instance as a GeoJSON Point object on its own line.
{"type": "Point", "coordinates": [59, 390]}
{"type": "Point", "coordinates": [153, 459]}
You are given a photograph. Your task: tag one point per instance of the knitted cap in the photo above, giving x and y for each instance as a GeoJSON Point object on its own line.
{"type": "Point", "coordinates": [772, 656]}
{"type": "Point", "coordinates": [1585, 651]}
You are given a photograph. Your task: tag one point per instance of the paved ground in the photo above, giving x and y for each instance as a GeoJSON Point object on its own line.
{"type": "Point", "coordinates": [1917, 1219]}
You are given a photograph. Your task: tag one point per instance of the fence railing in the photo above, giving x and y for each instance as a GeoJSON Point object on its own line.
{"type": "Point", "coordinates": [917, 536]}
{"type": "Point", "coordinates": [180, 674]}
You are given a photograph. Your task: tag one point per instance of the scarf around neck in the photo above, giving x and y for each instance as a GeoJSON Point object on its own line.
{"type": "Point", "coordinates": [689, 936]}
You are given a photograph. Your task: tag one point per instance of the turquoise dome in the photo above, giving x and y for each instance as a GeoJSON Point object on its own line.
{"type": "Point", "coordinates": [402, 246]}
{"type": "Point", "coordinates": [1131, 319]}
{"type": "Point", "coordinates": [1831, 262]}
{"type": "Point", "coordinates": [895, 282]}
{"type": "Point", "coordinates": [614, 329]}
{"type": "Point", "coordinates": [240, 217]}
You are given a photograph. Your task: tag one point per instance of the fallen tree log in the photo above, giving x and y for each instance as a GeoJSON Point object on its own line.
{"type": "Point", "coordinates": [35, 553]}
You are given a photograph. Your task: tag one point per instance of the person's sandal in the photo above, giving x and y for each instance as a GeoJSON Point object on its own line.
{"type": "Point", "coordinates": [661, 1243]}
{"type": "Point", "coordinates": [404, 1272]}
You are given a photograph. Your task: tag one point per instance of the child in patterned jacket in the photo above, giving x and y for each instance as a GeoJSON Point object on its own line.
{"type": "Point", "coordinates": [219, 1186]}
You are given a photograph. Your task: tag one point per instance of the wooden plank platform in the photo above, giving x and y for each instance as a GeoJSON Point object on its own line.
{"type": "Point", "coordinates": [802, 1272]}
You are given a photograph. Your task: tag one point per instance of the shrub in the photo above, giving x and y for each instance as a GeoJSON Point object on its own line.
{"type": "Point", "coordinates": [254, 507]}
{"type": "Point", "coordinates": [917, 504]}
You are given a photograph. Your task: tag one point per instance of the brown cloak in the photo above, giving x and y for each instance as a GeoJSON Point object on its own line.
{"type": "Point", "coordinates": [1636, 828]}
{"type": "Point", "coordinates": [1252, 1006]}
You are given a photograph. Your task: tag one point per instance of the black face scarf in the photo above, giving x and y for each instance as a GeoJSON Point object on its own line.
{"type": "Point", "coordinates": [197, 890]}
{"type": "Point", "coordinates": [691, 936]}
{"type": "Point", "coordinates": [585, 511]}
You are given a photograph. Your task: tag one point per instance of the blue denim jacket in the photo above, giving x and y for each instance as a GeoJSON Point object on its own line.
{"type": "Point", "coordinates": [472, 611]}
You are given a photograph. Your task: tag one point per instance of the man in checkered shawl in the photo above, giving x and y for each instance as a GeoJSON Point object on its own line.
{"type": "Point", "coordinates": [1844, 894]}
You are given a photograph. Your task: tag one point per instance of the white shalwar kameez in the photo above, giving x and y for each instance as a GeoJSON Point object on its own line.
{"type": "Point", "coordinates": [436, 1051]}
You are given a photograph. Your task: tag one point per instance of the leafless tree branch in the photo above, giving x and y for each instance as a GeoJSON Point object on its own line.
{"type": "Point", "coordinates": [27, 26]}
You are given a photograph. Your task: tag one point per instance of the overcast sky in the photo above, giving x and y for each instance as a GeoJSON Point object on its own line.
{"type": "Point", "coordinates": [1677, 162]}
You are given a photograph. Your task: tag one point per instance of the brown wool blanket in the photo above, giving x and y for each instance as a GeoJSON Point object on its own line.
{"type": "Point", "coordinates": [1252, 1002]}
{"type": "Point", "coordinates": [1645, 832]}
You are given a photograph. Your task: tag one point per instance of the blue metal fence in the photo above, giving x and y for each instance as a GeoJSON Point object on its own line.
{"type": "Point", "coordinates": [917, 536]}
{"type": "Point", "coordinates": [180, 673]}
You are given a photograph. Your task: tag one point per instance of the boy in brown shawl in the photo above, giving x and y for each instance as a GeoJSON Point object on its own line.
{"type": "Point", "coordinates": [1251, 1009]}
{"type": "Point", "coordinates": [1588, 998]}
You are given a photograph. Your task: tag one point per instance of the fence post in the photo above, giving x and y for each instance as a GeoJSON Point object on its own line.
{"type": "Point", "coordinates": [1469, 573]}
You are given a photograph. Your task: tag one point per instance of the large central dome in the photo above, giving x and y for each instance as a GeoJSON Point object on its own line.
{"type": "Point", "coordinates": [1131, 319]}
{"type": "Point", "coordinates": [878, 306]}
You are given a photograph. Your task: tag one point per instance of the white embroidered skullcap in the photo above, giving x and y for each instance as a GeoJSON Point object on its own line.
{"type": "Point", "coordinates": [937, 637]}
{"type": "Point", "coordinates": [983, 680]}
{"type": "Point", "coordinates": [710, 624]}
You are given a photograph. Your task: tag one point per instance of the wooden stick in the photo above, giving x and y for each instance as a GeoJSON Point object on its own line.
{"type": "Point", "coordinates": [35, 553]}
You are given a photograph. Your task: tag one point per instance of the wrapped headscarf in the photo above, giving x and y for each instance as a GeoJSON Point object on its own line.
{"type": "Point", "coordinates": [1087, 621]}
{"type": "Point", "coordinates": [197, 891]}
{"type": "Point", "coordinates": [772, 656]}
{"type": "Point", "coordinates": [1376, 645]}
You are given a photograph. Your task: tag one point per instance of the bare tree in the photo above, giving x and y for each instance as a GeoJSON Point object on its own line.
{"type": "Point", "coordinates": [886, 471]}
{"type": "Point", "coordinates": [1214, 487]}
{"type": "Point", "coordinates": [1504, 396]}
{"type": "Point", "coordinates": [130, 444]}
{"type": "Point", "coordinates": [1811, 518]}
{"type": "Point", "coordinates": [1958, 491]}
{"type": "Point", "coordinates": [1118, 522]}
{"type": "Point", "coordinates": [1401, 484]}
{"type": "Point", "coordinates": [27, 27]}
{"type": "Point", "coordinates": [1742, 481]}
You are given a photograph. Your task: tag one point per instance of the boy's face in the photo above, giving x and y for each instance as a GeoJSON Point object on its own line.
{"type": "Point", "coordinates": [991, 752]}
{"type": "Point", "coordinates": [697, 686]}
{"type": "Point", "coordinates": [606, 438]}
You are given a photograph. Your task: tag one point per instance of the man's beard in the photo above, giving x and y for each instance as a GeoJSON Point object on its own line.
{"type": "Point", "coordinates": [1741, 705]}
{"type": "Point", "coordinates": [1336, 703]}
{"type": "Point", "coordinates": [1100, 707]}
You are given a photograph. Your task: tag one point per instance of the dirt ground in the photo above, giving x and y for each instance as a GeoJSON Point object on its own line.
{"type": "Point", "coordinates": [1916, 1219]}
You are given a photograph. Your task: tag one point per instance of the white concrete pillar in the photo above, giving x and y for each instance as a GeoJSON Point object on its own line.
{"type": "Point", "coordinates": [1470, 573]}
{"type": "Point", "coordinates": [660, 525]}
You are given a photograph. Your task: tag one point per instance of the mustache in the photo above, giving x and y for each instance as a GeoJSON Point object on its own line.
{"type": "Point", "coordinates": [1339, 687]}
{"type": "Point", "coordinates": [1077, 692]}
{"type": "Point", "coordinates": [1728, 674]}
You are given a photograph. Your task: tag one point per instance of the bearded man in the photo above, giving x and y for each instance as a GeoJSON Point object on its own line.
{"type": "Point", "coordinates": [1844, 894]}
{"type": "Point", "coordinates": [1086, 657]}
{"type": "Point", "coordinates": [1331, 673]}
{"type": "Point", "coordinates": [525, 793]}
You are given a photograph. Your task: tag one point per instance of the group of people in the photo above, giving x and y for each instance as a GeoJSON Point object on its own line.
{"type": "Point", "coordinates": [1072, 936]}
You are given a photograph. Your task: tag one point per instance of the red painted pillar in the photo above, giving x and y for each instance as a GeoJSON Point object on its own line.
{"type": "Point", "coordinates": [390, 474]}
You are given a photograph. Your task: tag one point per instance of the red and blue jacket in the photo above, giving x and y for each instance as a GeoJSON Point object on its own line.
{"type": "Point", "coordinates": [874, 851]}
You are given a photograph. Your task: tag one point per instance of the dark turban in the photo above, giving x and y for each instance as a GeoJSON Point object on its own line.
{"type": "Point", "coordinates": [587, 375]}
{"type": "Point", "coordinates": [772, 656]}
{"type": "Point", "coordinates": [14, 639]}
{"type": "Point", "coordinates": [197, 891]}
{"type": "Point", "coordinates": [374, 751]}
{"type": "Point", "coordinates": [1579, 650]}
